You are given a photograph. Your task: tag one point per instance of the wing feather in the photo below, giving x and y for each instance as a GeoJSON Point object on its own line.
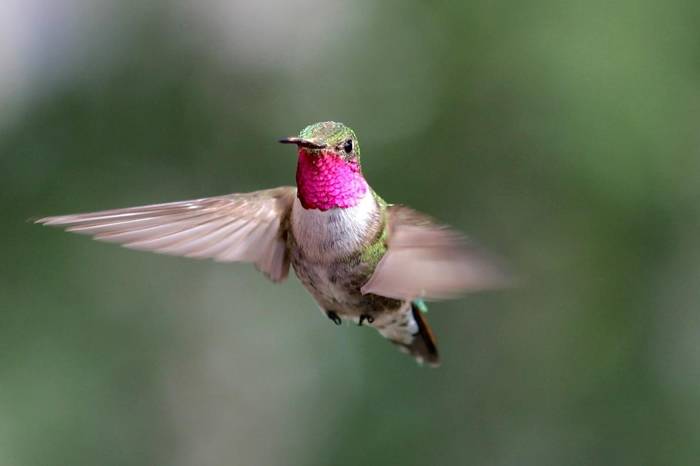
{"type": "Point", "coordinates": [428, 260]}
{"type": "Point", "coordinates": [246, 227]}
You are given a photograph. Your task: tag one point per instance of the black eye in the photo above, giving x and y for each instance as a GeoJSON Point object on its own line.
{"type": "Point", "coordinates": [347, 146]}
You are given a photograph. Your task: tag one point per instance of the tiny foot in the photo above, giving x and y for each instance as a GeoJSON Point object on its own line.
{"type": "Point", "coordinates": [334, 317]}
{"type": "Point", "coordinates": [365, 317]}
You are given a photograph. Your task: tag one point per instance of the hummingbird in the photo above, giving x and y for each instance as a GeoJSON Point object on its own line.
{"type": "Point", "coordinates": [362, 259]}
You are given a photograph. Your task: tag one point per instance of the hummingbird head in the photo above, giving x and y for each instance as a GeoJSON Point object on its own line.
{"type": "Point", "coordinates": [328, 171]}
{"type": "Point", "coordinates": [328, 137]}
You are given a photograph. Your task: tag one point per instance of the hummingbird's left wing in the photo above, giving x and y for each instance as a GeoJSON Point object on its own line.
{"type": "Point", "coordinates": [428, 260]}
{"type": "Point", "coordinates": [247, 227]}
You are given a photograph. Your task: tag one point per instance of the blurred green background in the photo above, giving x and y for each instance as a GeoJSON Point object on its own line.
{"type": "Point", "coordinates": [564, 136]}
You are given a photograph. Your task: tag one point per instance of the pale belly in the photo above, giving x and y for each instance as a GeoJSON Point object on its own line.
{"type": "Point", "coordinates": [325, 252]}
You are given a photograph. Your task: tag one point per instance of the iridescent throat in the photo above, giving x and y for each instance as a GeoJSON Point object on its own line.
{"type": "Point", "coordinates": [326, 181]}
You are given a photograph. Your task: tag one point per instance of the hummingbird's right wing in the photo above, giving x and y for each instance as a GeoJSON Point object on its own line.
{"type": "Point", "coordinates": [248, 227]}
{"type": "Point", "coordinates": [427, 260]}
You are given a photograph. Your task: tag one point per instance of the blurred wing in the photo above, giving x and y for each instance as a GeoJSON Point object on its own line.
{"type": "Point", "coordinates": [427, 260]}
{"type": "Point", "coordinates": [237, 227]}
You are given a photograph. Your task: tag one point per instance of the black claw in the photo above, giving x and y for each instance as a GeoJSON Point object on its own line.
{"type": "Point", "coordinates": [334, 317]}
{"type": "Point", "coordinates": [366, 317]}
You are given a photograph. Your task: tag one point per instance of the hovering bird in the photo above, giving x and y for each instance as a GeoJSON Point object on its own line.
{"type": "Point", "coordinates": [362, 259]}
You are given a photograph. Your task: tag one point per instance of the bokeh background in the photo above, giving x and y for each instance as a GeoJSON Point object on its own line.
{"type": "Point", "coordinates": [564, 136]}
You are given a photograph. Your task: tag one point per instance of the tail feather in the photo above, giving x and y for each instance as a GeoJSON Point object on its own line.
{"type": "Point", "coordinates": [424, 344]}
{"type": "Point", "coordinates": [410, 331]}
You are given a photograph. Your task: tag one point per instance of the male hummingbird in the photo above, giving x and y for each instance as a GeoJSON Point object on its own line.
{"type": "Point", "coordinates": [361, 259]}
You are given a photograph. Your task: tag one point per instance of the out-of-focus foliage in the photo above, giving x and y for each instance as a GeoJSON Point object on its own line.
{"type": "Point", "coordinates": [562, 135]}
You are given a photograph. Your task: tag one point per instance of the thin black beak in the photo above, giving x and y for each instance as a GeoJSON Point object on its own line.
{"type": "Point", "coordinates": [302, 143]}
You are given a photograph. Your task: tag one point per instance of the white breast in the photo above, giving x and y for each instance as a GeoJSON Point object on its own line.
{"type": "Point", "coordinates": [325, 235]}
